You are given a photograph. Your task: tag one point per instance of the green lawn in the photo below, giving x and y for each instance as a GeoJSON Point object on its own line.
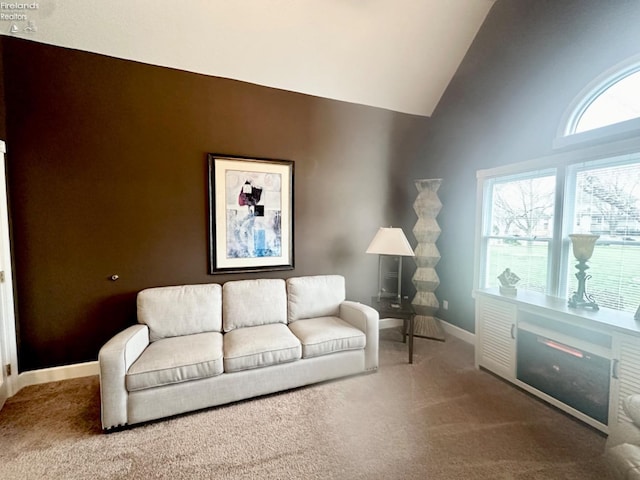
{"type": "Point", "coordinates": [615, 270]}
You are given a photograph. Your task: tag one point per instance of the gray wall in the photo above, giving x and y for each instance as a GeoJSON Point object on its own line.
{"type": "Point", "coordinates": [527, 64]}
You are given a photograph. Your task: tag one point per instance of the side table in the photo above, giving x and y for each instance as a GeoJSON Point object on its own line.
{"type": "Point", "coordinates": [389, 308]}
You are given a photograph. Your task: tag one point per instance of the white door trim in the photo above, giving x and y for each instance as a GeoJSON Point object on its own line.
{"type": "Point", "coordinates": [8, 317]}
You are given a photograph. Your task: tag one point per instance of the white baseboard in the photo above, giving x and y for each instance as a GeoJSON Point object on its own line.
{"type": "Point", "coordinates": [67, 372]}
{"type": "Point", "coordinates": [449, 328]}
{"type": "Point", "coordinates": [458, 332]}
{"type": "Point", "coordinates": [55, 374]}
{"type": "Point", "coordinates": [385, 323]}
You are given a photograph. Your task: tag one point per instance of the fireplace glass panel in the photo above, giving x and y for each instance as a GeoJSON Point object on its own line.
{"type": "Point", "coordinates": [573, 376]}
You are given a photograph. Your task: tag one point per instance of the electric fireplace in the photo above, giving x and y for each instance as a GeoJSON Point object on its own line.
{"type": "Point", "coordinates": [571, 375]}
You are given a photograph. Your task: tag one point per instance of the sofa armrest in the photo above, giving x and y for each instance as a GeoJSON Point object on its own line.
{"type": "Point", "coordinates": [364, 318]}
{"type": "Point", "coordinates": [623, 432]}
{"type": "Point", "coordinates": [624, 460]}
{"type": "Point", "coordinates": [115, 358]}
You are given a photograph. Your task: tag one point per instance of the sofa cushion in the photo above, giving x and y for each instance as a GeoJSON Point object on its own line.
{"type": "Point", "coordinates": [323, 335]}
{"type": "Point", "coordinates": [625, 460]}
{"type": "Point", "coordinates": [180, 310]}
{"type": "Point", "coordinates": [261, 346]}
{"type": "Point", "coordinates": [249, 303]}
{"type": "Point", "coordinates": [314, 296]}
{"type": "Point", "coordinates": [175, 360]}
{"type": "Point", "coordinates": [631, 406]}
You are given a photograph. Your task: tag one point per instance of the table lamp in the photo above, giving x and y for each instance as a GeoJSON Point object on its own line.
{"type": "Point", "coordinates": [583, 245]}
{"type": "Point", "coordinates": [390, 241]}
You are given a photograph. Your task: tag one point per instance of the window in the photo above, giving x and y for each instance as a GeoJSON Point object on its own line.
{"type": "Point", "coordinates": [617, 103]}
{"type": "Point", "coordinates": [528, 210]}
{"type": "Point", "coordinates": [527, 217]}
{"type": "Point", "coordinates": [608, 108]}
{"type": "Point", "coordinates": [519, 228]}
{"type": "Point", "coordinates": [607, 202]}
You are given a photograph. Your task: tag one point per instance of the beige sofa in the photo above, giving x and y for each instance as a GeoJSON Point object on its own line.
{"type": "Point", "coordinates": [623, 444]}
{"type": "Point", "coordinates": [197, 346]}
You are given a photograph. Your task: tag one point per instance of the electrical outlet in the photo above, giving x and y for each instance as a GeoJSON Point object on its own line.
{"type": "Point", "coordinates": [445, 304]}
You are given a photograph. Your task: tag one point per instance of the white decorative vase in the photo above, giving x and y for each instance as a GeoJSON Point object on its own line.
{"type": "Point", "coordinates": [426, 230]}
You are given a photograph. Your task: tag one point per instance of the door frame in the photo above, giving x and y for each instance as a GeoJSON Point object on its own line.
{"type": "Point", "coordinates": [8, 344]}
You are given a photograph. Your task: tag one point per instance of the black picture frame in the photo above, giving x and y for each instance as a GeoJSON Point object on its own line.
{"type": "Point", "coordinates": [250, 214]}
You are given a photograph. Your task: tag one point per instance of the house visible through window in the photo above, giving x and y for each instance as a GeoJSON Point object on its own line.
{"type": "Point", "coordinates": [607, 202]}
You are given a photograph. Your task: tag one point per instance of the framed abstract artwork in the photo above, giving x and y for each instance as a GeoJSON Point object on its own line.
{"type": "Point", "coordinates": [250, 214]}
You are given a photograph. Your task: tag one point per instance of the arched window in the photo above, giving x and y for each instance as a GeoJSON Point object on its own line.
{"type": "Point", "coordinates": [617, 103]}
{"type": "Point", "coordinates": [607, 109]}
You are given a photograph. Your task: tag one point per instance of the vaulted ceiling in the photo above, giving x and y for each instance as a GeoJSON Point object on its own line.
{"type": "Point", "coordinates": [393, 54]}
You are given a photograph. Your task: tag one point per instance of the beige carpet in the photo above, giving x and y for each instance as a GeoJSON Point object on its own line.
{"type": "Point", "coordinates": [436, 419]}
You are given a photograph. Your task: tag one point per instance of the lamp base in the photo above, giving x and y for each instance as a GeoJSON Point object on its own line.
{"type": "Point", "coordinates": [577, 302]}
{"type": "Point", "coordinates": [382, 293]}
{"type": "Point", "coordinates": [581, 299]}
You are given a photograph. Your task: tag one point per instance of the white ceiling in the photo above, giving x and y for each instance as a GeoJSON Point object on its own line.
{"type": "Point", "coordinates": [393, 54]}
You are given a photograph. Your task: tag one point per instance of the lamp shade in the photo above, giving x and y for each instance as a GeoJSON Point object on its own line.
{"type": "Point", "coordinates": [390, 241]}
{"type": "Point", "coordinates": [583, 244]}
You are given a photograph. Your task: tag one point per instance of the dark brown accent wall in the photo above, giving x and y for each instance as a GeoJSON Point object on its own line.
{"type": "Point", "coordinates": [3, 119]}
{"type": "Point", "coordinates": [107, 175]}
{"type": "Point", "coordinates": [528, 62]}
{"type": "Point", "coordinates": [107, 165]}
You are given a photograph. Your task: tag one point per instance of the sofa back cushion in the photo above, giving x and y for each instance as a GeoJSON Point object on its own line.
{"type": "Point", "coordinates": [180, 310]}
{"type": "Point", "coordinates": [315, 296]}
{"type": "Point", "coordinates": [631, 406]}
{"type": "Point", "coordinates": [249, 303]}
